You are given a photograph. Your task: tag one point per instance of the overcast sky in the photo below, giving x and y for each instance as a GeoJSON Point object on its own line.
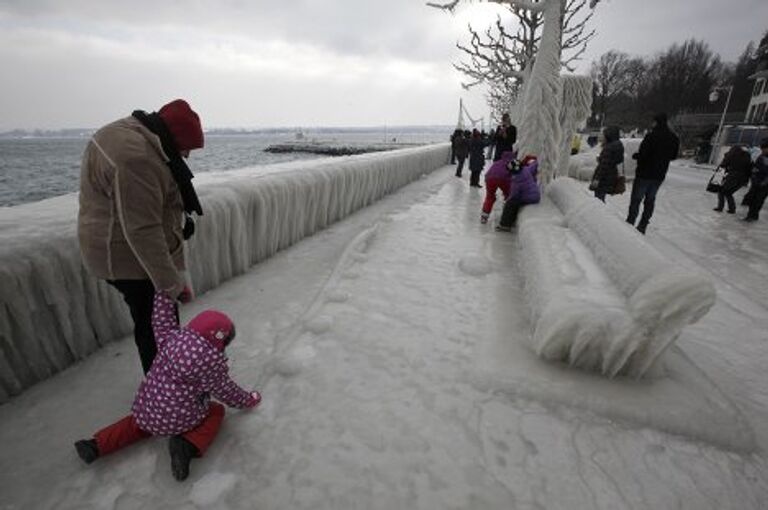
{"type": "Point", "coordinates": [252, 63]}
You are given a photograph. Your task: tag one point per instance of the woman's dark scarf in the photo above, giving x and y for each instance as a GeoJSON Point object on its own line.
{"type": "Point", "coordinates": [179, 169]}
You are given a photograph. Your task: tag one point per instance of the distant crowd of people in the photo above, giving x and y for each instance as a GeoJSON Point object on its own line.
{"type": "Point", "coordinates": [516, 179]}
{"type": "Point", "coordinates": [741, 168]}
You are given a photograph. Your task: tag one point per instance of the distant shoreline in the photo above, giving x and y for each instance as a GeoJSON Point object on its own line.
{"type": "Point", "coordinates": [21, 134]}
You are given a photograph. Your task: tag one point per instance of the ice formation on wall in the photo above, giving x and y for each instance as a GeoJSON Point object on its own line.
{"type": "Point", "coordinates": [601, 297]}
{"type": "Point", "coordinates": [539, 125]}
{"type": "Point", "coordinates": [574, 110]}
{"type": "Point", "coordinates": [54, 313]}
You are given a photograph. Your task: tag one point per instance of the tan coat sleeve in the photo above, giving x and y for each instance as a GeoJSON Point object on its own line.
{"type": "Point", "coordinates": [140, 195]}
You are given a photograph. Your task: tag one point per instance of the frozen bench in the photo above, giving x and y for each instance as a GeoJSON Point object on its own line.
{"type": "Point", "coordinates": [601, 297]}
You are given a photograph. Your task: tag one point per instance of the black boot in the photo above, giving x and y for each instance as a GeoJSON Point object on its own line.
{"type": "Point", "coordinates": [87, 449]}
{"type": "Point", "coordinates": [182, 452]}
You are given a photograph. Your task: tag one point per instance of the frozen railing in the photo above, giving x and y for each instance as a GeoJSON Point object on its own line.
{"type": "Point", "coordinates": [54, 313]}
{"type": "Point", "coordinates": [601, 297]}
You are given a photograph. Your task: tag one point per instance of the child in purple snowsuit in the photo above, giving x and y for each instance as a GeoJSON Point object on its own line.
{"type": "Point", "coordinates": [174, 399]}
{"type": "Point", "coordinates": [524, 190]}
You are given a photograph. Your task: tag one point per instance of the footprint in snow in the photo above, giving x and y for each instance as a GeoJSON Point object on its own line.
{"type": "Point", "coordinates": [474, 265]}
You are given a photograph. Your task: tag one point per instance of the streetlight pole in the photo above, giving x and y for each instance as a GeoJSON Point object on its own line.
{"type": "Point", "coordinates": [714, 96]}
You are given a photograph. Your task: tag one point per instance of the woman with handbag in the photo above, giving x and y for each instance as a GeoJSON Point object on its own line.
{"type": "Point", "coordinates": [606, 176]}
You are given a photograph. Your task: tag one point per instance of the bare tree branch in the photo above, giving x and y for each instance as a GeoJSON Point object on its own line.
{"type": "Point", "coordinates": [501, 54]}
{"type": "Point", "coordinates": [450, 6]}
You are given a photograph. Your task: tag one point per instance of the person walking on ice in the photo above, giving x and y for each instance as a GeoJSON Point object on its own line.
{"type": "Point", "coordinates": [760, 183]}
{"type": "Point", "coordinates": [174, 399]}
{"type": "Point", "coordinates": [657, 149]}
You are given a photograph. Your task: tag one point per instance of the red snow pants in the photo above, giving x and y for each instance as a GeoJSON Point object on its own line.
{"type": "Point", "coordinates": [125, 432]}
{"type": "Point", "coordinates": [491, 185]}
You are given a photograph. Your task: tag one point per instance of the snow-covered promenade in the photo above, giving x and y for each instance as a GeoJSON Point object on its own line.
{"type": "Point", "coordinates": [390, 350]}
{"type": "Point", "coordinates": [53, 313]}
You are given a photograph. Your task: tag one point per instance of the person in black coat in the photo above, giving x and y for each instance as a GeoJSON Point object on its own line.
{"type": "Point", "coordinates": [476, 158]}
{"type": "Point", "coordinates": [657, 149]}
{"type": "Point", "coordinates": [456, 133]}
{"type": "Point", "coordinates": [461, 149]}
{"type": "Point", "coordinates": [759, 183]}
{"type": "Point", "coordinates": [607, 171]}
{"type": "Point", "coordinates": [505, 138]}
{"type": "Point", "coordinates": [738, 168]}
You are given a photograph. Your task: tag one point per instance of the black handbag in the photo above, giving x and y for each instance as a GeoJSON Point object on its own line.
{"type": "Point", "coordinates": [715, 183]}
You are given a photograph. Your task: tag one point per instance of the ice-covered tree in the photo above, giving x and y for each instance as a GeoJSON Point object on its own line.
{"type": "Point", "coordinates": [540, 101]}
{"type": "Point", "coordinates": [498, 57]}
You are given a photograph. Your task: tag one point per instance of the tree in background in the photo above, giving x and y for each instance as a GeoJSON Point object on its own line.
{"type": "Point", "coordinates": [681, 78]}
{"type": "Point", "coordinates": [616, 81]}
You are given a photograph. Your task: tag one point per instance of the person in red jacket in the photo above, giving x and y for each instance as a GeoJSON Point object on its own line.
{"type": "Point", "coordinates": [174, 399]}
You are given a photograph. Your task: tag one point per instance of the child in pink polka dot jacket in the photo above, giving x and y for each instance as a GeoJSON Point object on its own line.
{"type": "Point", "coordinates": [174, 398]}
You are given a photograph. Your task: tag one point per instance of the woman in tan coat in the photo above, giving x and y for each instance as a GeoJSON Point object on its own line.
{"type": "Point", "coordinates": [135, 189]}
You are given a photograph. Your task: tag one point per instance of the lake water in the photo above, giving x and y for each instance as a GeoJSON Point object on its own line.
{"type": "Point", "coordinates": [32, 169]}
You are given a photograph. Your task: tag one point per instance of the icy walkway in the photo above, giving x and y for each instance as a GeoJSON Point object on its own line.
{"type": "Point", "coordinates": [388, 350]}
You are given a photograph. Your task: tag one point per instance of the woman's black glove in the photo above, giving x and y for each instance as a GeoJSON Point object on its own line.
{"type": "Point", "coordinates": [189, 227]}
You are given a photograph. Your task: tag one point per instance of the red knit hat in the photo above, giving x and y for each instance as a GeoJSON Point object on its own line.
{"type": "Point", "coordinates": [184, 125]}
{"type": "Point", "coordinates": [214, 326]}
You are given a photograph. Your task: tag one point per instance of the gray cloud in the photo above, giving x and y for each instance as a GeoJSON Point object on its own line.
{"type": "Point", "coordinates": [304, 62]}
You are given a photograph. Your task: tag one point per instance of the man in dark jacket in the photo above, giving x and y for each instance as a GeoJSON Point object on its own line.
{"type": "Point", "coordinates": [759, 183]}
{"type": "Point", "coordinates": [461, 149]}
{"type": "Point", "coordinates": [505, 138]}
{"type": "Point", "coordinates": [657, 149]}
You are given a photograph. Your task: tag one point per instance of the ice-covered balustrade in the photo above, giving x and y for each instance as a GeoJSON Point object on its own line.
{"type": "Point", "coordinates": [601, 297]}
{"type": "Point", "coordinates": [54, 313]}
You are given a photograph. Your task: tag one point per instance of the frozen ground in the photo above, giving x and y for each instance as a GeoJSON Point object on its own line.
{"type": "Point", "coordinates": [389, 352]}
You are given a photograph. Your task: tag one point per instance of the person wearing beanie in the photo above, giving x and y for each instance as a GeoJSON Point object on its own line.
{"type": "Point", "coordinates": [174, 398]}
{"type": "Point", "coordinates": [658, 148]}
{"type": "Point", "coordinates": [136, 198]}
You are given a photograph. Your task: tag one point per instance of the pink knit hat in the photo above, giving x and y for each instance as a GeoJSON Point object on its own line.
{"type": "Point", "coordinates": [214, 326]}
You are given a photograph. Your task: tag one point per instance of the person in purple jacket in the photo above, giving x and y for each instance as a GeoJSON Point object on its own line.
{"type": "Point", "coordinates": [523, 190]}
{"type": "Point", "coordinates": [498, 177]}
{"type": "Point", "coordinates": [174, 398]}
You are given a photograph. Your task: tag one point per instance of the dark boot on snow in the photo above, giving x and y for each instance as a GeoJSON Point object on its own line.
{"type": "Point", "coordinates": [87, 449]}
{"type": "Point", "coordinates": [182, 452]}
